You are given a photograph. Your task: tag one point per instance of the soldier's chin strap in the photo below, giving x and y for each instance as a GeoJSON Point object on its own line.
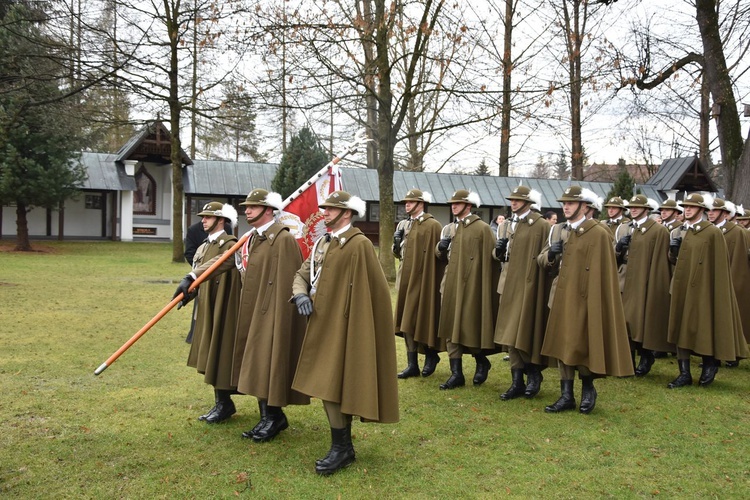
{"type": "Point", "coordinates": [575, 214]}
{"type": "Point", "coordinates": [336, 219]}
{"type": "Point", "coordinates": [526, 206]}
{"type": "Point", "coordinates": [257, 217]}
{"type": "Point", "coordinates": [416, 209]}
{"type": "Point", "coordinates": [216, 223]}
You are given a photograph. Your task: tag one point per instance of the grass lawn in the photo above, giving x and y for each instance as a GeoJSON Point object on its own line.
{"type": "Point", "coordinates": [132, 431]}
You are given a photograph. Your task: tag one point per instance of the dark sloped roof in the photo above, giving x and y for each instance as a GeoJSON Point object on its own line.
{"type": "Point", "coordinates": [104, 174]}
{"type": "Point", "coordinates": [492, 190]}
{"type": "Point", "coordinates": [673, 173]}
{"type": "Point", "coordinates": [651, 192]}
{"type": "Point", "coordinates": [227, 177]}
{"type": "Point", "coordinates": [151, 142]}
{"type": "Point", "coordinates": [236, 179]}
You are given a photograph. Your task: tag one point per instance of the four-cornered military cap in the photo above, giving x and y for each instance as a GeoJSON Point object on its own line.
{"type": "Point", "coordinates": [694, 200]}
{"type": "Point", "coordinates": [344, 200]}
{"type": "Point", "coordinates": [616, 202]}
{"type": "Point", "coordinates": [670, 205]}
{"type": "Point", "coordinates": [573, 193]}
{"type": "Point", "coordinates": [639, 201]}
{"type": "Point", "coordinates": [418, 195]}
{"type": "Point", "coordinates": [212, 209]}
{"type": "Point", "coordinates": [465, 196]}
{"type": "Point", "coordinates": [263, 198]}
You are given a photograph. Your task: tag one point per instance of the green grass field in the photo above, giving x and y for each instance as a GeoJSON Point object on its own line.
{"type": "Point", "coordinates": [132, 431]}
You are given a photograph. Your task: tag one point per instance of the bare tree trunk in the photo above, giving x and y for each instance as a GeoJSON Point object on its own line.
{"type": "Point", "coordinates": [371, 101]}
{"type": "Point", "coordinates": [22, 229]}
{"type": "Point", "coordinates": [194, 88]}
{"type": "Point", "coordinates": [386, 140]}
{"type": "Point", "coordinates": [575, 38]}
{"type": "Point", "coordinates": [705, 121]}
{"type": "Point", "coordinates": [742, 180]}
{"type": "Point", "coordinates": [372, 130]}
{"type": "Point", "coordinates": [415, 160]}
{"type": "Point", "coordinates": [175, 108]}
{"type": "Point", "coordinates": [715, 67]}
{"type": "Point", "coordinates": [284, 113]}
{"type": "Point", "coordinates": [507, 90]}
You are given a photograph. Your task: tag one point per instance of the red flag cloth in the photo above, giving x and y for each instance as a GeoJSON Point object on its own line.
{"type": "Point", "coordinates": [302, 214]}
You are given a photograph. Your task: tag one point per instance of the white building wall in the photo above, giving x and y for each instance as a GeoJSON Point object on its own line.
{"type": "Point", "coordinates": [36, 219]}
{"type": "Point", "coordinates": [159, 222]}
{"type": "Point", "coordinates": [79, 221]}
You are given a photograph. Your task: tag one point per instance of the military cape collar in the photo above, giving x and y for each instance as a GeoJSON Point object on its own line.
{"type": "Point", "coordinates": [469, 219]}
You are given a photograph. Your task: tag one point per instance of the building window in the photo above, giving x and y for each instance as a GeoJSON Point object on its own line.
{"type": "Point", "coordinates": [374, 212]}
{"type": "Point", "coordinates": [94, 201]}
{"type": "Point", "coordinates": [400, 212]}
{"type": "Point", "coordinates": [144, 199]}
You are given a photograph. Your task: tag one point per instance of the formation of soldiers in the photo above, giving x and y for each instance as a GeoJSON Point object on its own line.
{"type": "Point", "coordinates": [583, 295]}
{"type": "Point", "coordinates": [273, 326]}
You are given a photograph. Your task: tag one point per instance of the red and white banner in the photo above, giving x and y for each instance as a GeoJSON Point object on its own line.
{"type": "Point", "coordinates": [302, 214]}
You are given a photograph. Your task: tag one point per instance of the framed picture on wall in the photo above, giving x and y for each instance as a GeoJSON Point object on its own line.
{"type": "Point", "coordinates": [144, 197]}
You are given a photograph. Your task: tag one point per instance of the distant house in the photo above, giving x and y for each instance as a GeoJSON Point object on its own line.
{"type": "Point", "coordinates": [128, 195]}
{"type": "Point", "coordinates": [608, 172]}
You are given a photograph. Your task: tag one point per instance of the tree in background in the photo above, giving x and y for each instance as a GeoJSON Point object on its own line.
{"type": "Point", "coordinates": [302, 159]}
{"type": "Point", "coordinates": [161, 38]}
{"type": "Point", "coordinates": [723, 29]}
{"type": "Point", "coordinates": [482, 169]}
{"type": "Point", "coordinates": [541, 169]}
{"type": "Point", "coordinates": [561, 166]}
{"type": "Point", "coordinates": [232, 133]}
{"type": "Point", "coordinates": [624, 185]}
{"type": "Point", "coordinates": [579, 27]}
{"type": "Point", "coordinates": [38, 165]}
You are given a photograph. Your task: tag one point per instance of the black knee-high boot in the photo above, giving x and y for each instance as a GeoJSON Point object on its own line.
{"type": "Point", "coordinates": [566, 402]}
{"type": "Point", "coordinates": [341, 453]}
{"type": "Point", "coordinates": [457, 375]}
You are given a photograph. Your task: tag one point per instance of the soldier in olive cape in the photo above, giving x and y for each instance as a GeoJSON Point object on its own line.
{"type": "Point", "coordinates": [522, 316]}
{"type": "Point", "coordinates": [738, 246]}
{"type": "Point", "coordinates": [418, 284]}
{"type": "Point", "coordinates": [669, 212]}
{"type": "Point", "coordinates": [269, 330]}
{"type": "Point", "coordinates": [619, 225]}
{"type": "Point", "coordinates": [586, 327]}
{"type": "Point", "coordinates": [704, 318]}
{"type": "Point", "coordinates": [616, 208]}
{"type": "Point", "coordinates": [348, 357]}
{"type": "Point", "coordinates": [645, 297]}
{"type": "Point", "coordinates": [211, 351]}
{"type": "Point", "coordinates": [743, 217]}
{"type": "Point", "coordinates": [469, 304]}
{"type": "Point", "coordinates": [549, 258]}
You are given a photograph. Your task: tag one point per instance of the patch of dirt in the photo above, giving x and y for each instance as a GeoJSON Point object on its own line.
{"type": "Point", "coordinates": [10, 246]}
{"type": "Point", "coordinates": [8, 284]}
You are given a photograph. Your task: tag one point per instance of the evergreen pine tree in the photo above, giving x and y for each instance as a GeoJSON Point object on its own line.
{"type": "Point", "coordinates": [302, 159]}
{"type": "Point", "coordinates": [624, 183]}
{"type": "Point", "coordinates": [38, 164]}
{"type": "Point", "coordinates": [482, 169]}
{"type": "Point", "coordinates": [561, 166]}
{"type": "Point", "coordinates": [541, 169]}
